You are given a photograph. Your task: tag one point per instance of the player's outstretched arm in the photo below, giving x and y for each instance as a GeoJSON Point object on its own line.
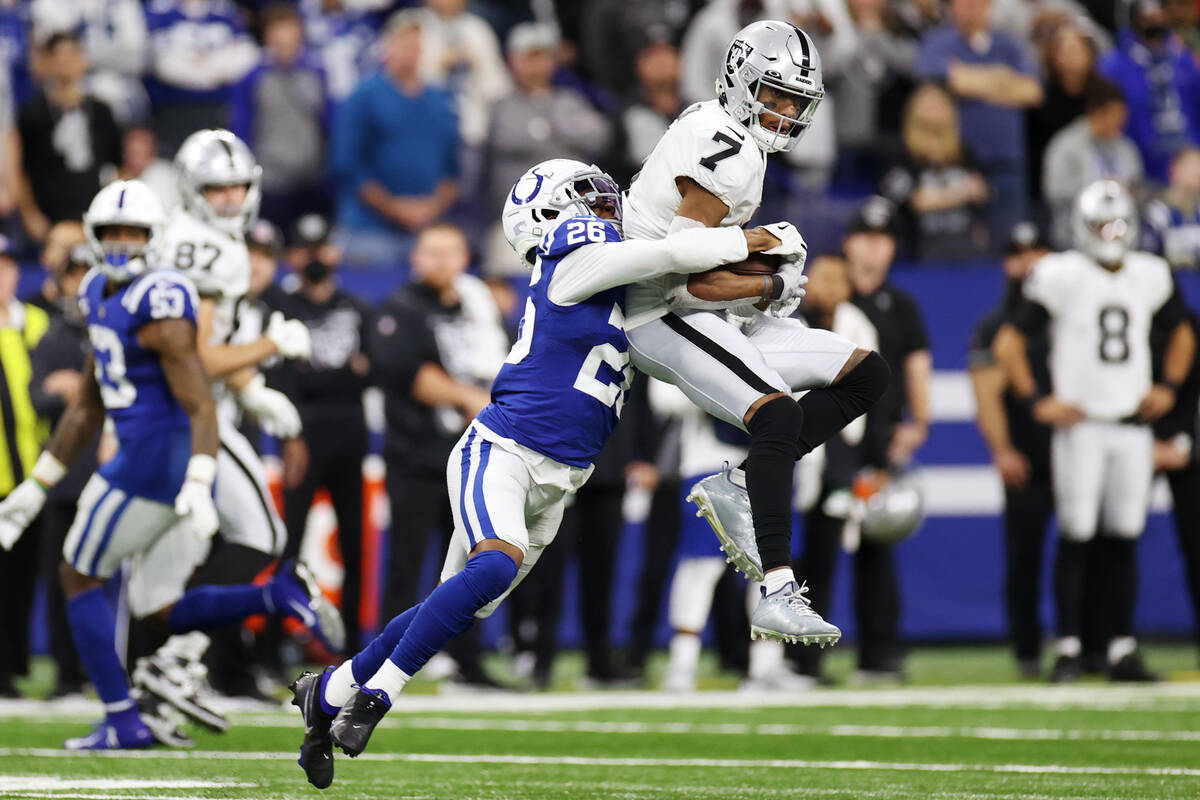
{"type": "Point", "coordinates": [288, 338]}
{"type": "Point", "coordinates": [76, 428]}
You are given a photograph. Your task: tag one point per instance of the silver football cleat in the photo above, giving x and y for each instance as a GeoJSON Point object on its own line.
{"type": "Point", "coordinates": [786, 616]}
{"type": "Point", "coordinates": [726, 506]}
{"type": "Point", "coordinates": [173, 680]}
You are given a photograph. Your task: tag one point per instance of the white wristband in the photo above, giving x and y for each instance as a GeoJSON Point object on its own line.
{"type": "Point", "coordinates": [48, 470]}
{"type": "Point", "coordinates": [202, 468]}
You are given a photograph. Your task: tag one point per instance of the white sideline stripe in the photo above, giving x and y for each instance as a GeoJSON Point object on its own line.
{"type": "Point", "coordinates": [45, 783]}
{"type": "Point", "coordinates": [585, 761]}
{"type": "Point", "coordinates": [785, 729]}
{"type": "Point", "coordinates": [1167, 696]}
{"type": "Point", "coordinates": [951, 398]}
{"type": "Point", "coordinates": [92, 796]}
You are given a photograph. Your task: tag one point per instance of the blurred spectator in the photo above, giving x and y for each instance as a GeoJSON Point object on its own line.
{"type": "Point", "coordinates": [654, 105]}
{"type": "Point", "coordinates": [1090, 148]}
{"type": "Point", "coordinates": [1020, 450]}
{"type": "Point", "coordinates": [140, 160]}
{"type": "Point", "coordinates": [708, 36]}
{"type": "Point", "coordinates": [14, 48]}
{"type": "Point", "coordinates": [1183, 19]}
{"type": "Point", "coordinates": [67, 137]}
{"type": "Point", "coordinates": [896, 427]}
{"type": "Point", "coordinates": [611, 33]}
{"type": "Point", "coordinates": [115, 38]}
{"type": "Point", "coordinates": [537, 120]}
{"type": "Point", "coordinates": [993, 77]}
{"type": "Point", "coordinates": [936, 183]}
{"type": "Point", "coordinates": [21, 326]}
{"type": "Point", "coordinates": [435, 347]}
{"type": "Point", "coordinates": [1161, 85]}
{"type": "Point", "coordinates": [833, 466]}
{"type": "Point", "coordinates": [1068, 59]}
{"type": "Point", "coordinates": [198, 51]}
{"type": "Point", "coordinates": [57, 363]}
{"type": "Point", "coordinates": [394, 153]}
{"type": "Point", "coordinates": [1023, 19]}
{"type": "Point", "coordinates": [10, 151]}
{"type": "Point", "coordinates": [461, 52]}
{"type": "Point", "coordinates": [344, 36]}
{"type": "Point", "coordinates": [871, 56]}
{"type": "Point", "coordinates": [1172, 220]}
{"type": "Point", "coordinates": [281, 109]}
{"type": "Point", "coordinates": [328, 392]}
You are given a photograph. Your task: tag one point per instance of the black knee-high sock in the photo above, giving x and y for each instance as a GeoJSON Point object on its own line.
{"type": "Point", "coordinates": [828, 410]}
{"type": "Point", "coordinates": [1120, 562]}
{"type": "Point", "coordinates": [774, 434]}
{"type": "Point", "coordinates": [1069, 568]}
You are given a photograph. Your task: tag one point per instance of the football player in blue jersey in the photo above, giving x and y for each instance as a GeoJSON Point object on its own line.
{"type": "Point", "coordinates": [554, 404]}
{"type": "Point", "coordinates": [153, 502]}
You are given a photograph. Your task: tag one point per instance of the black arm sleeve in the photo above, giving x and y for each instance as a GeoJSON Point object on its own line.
{"type": "Point", "coordinates": [1170, 313]}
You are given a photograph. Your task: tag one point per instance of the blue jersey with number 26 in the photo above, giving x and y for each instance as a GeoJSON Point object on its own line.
{"type": "Point", "coordinates": [561, 390]}
{"type": "Point", "coordinates": [152, 428]}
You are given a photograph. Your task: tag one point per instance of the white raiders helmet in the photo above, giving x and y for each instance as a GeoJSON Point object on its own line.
{"type": "Point", "coordinates": [894, 511]}
{"type": "Point", "coordinates": [549, 193]}
{"type": "Point", "coordinates": [216, 157]}
{"type": "Point", "coordinates": [780, 56]}
{"type": "Point", "coordinates": [1105, 221]}
{"type": "Point", "coordinates": [127, 203]}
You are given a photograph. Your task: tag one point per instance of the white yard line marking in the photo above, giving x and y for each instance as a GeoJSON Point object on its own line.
{"type": "Point", "coordinates": [45, 783]}
{"type": "Point", "coordinates": [1169, 696]}
{"type": "Point", "coordinates": [584, 761]}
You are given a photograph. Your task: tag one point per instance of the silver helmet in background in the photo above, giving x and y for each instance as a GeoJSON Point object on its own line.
{"type": "Point", "coordinates": [895, 511]}
{"type": "Point", "coordinates": [1105, 221]}
{"type": "Point", "coordinates": [216, 157]}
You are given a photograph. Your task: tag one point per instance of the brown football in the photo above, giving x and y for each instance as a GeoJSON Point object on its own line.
{"type": "Point", "coordinates": [757, 264]}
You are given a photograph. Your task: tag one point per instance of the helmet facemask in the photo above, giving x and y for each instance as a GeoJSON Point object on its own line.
{"type": "Point", "coordinates": [597, 192]}
{"type": "Point", "coordinates": [122, 258]}
{"type": "Point", "coordinates": [774, 131]}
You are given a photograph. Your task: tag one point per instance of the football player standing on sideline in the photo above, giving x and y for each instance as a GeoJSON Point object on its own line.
{"type": "Point", "coordinates": [707, 171]}
{"type": "Point", "coordinates": [1099, 304]}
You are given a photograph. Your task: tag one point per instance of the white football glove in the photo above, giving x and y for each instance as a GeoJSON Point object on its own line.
{"type": "Point", "coordinates": [792, 247]}
{"type": "Point", "coordinates": [290, 336]}
{"type": "Point", "coordinates": [274, 411]}
{"type": "Point", "coordinates": [18, 510]}
{"type": "Point", "coordinates": [195, 499]}
{"type": "Point", "coordinates": [794, 281]}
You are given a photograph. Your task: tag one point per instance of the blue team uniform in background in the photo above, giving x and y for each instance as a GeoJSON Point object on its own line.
{"type": "Point", "coordinates": [152, 428]}
{"type": "Point", "coordinates": [561, 391]}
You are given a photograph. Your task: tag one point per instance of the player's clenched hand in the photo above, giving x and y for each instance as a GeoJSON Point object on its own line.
{"type": "Point", "coordinates": [1055, 413]}
{"type": "Point", "coordinates": [18, 510]}
{"type": "Point", "coordinates": [793, 292]}
{"type": "Point", "coordinates": [1012, 466]}
{"type": "Point", "coordinates": [290, 336]}
{"type": "Point", "coordinates": [791, 244]}
{"type": "Point", "coordinates": [195, 498]}
{"type": "Point", "coordinates": [1158, 401]}
{"type": "Point", "coordinates": [273, 409]}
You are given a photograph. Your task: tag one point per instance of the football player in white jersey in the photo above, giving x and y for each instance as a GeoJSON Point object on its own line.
{"type": "Point", "coordinates": [707, 171]}
{"type": "Point", "coordinates": [1099, 303]}
{"type": "Point", "coordinates": [218, 181]}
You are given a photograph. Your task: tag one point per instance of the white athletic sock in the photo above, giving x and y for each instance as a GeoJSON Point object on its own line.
{"type": "Point", "coordinates": [684, 653]}
{"type": "Point", "coordinates": [766, 658]}
{"type": "Point", "coordinates": [1069, 646]}
{"type": "Point", "coordinates": [390, 678]}
{"type": "Point", "coordinates": [776, 579]}
{"type": "Point", "coordinates": [1120, 647]}
{"type": "Point", "coordinates": [340, 686]}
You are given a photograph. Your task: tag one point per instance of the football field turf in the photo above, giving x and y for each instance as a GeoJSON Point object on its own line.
{"type": "Point", "coordinates": [938, 742]}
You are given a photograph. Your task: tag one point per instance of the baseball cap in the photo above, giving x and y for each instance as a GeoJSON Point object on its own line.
{"type": "Point", "coordinates": [526, 37]}
{"type": "Point", "coordinates": [1025, 236]}
{"type": "Point", "coordinates": [877, 215]}
{"type": "Point", "coordinates": [309, 231]}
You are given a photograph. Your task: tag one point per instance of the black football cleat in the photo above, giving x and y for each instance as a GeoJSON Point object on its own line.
{"type": "Point", "coordinates": [1067, 669]}
{"type": "Point", "coordinates": [316, 751]}
{"type": "Point", "coordinates": [353, 725]}
{"type": "Point", "coordinates": [1131, 669]}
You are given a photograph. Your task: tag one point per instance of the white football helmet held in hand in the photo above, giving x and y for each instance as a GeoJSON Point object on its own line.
{"type": "Point", "coordinates": [551, 193]}
{"type": "Point", "coordinates": [291, 336]}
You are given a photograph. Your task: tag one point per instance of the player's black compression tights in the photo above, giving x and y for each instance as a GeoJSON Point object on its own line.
{"type": "Point", "coordinates": [1120, 576]}
{"type": "Point", "coordinates": [774, 449]}
{"type": "Point", "coordinates": [828, 410]}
